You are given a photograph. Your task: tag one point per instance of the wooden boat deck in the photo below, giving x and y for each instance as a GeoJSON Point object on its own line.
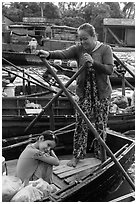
{"type": "Point", "coordinates": [64, 175]}
{"type": "Point", "coordinates": [68, 175]}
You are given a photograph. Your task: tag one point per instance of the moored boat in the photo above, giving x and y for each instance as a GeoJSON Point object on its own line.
{"type": "Point", "coordinates": [16, 116]}
{"type": "Point", "coordinates": [22, 58]}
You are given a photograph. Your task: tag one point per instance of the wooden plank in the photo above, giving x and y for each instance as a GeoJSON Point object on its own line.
{"type": "Point", "coordinates": [118, 22]}
{"type": "Point", "coordinates": [62, 169]}
{"type": "Point", "coordinates": [65, 168]}
{"type": "Point", "coordinates": [80, 175]}
{"type": "Point", "coordinates": [61, 164]}
{"type": "Point", "coordinates": [58, 182]}
{"type": "Point", "coordinates": [94, 162]}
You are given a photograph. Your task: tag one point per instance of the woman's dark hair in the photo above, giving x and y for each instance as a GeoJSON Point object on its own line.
{"type": "Point", "coordinates": [88, 28]}
{"type": "Point", "coordinates": [48, 135]}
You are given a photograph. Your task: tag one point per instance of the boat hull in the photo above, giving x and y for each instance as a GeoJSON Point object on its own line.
{"type": "Point", "coordinates": [62, 113]}
{"type": "Point", "coordinates": [15, 125]}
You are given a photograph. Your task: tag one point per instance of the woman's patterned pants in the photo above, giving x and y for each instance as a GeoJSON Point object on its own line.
{"type": "Point", "coordinates": [100, 115]}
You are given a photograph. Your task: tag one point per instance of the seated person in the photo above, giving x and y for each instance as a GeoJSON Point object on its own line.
{"type": "Point", "coordinates": [38, 158]}
{"type": "Point", "coordinates": [33, 45]}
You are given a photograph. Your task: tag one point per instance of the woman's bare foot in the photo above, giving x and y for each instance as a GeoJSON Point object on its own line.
{"type": "Point", "coordinates": [73, 162]}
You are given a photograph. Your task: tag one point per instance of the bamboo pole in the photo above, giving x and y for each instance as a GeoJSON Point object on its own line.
{"type": "Point", "coordinates": [93, 130]}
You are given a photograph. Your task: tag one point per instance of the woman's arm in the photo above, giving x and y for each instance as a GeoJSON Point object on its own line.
{"type": "Point", "coordinates": [69, 53]}
{"type": "Point", "coordinates": [104, 68]}
{"type": "Point", "coordinates": [47, 158]}
{"type": "Point", "coordinates": [107, 66]}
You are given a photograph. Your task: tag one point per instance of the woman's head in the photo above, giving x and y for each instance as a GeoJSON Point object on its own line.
{"type": "Point", "coordinates": [33, 39]}
{"type": "Point", "coordinates": [47, 141]}
{"type": "Point", "coordinates": [87, 36]}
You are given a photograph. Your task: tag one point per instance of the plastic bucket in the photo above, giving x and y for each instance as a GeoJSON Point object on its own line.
{"type": "Point", "coordinates": [10, 90]}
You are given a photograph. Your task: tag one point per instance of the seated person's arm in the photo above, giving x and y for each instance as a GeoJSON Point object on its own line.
{"type": "Point", "coordinates": [48, 158]}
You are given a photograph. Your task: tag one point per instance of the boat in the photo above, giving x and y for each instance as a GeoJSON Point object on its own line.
{"type": "Point", "coordinates": [91, 180]}
{"type": "Point", "coordinates": [18, 36]}
{"type": "Point", "coordinates": [130, 197]}
{"type": "Point", "coordinates": [16, 116]}
{"type": "Point", "coordinates": [22, 58]}
{"type": "Point", "coordinates": [60, 112]}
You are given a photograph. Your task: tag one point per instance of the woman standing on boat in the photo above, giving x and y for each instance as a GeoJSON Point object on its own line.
{"type": "Point", "coordinates": [93, 87]}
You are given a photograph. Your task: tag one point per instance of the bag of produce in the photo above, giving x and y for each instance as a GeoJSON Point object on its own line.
{"type": "Point", "coordinates": [10, 186]}
{"type": "Point", "coordinates": [43, 186]}
{"type": "Point", "coordinates": [28, 194]}
{"type": "Point", "coordinates": [120, 101]}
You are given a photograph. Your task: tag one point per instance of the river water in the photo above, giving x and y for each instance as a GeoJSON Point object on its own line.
{"type": "Point", "coordinates": [124, 188]}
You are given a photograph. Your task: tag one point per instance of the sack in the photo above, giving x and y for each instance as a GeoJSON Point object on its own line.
{"type": "Point", "coordinates": [120, 101]}
{"type": "Point", "coordinates": [43, 186]}
{"type": "Point", "coordinates": [113, 108]}
{"type": "Point", "coordinates": [10, 186]}
{"type": "Point", "coordinates": [28, 194]}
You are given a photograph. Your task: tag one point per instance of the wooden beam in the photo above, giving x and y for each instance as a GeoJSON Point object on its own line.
{"type": "Point", "coordinates": [115, 37]}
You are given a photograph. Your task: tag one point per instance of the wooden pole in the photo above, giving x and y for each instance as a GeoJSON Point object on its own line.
{"type": "Point", "coordinates": [126, 81]}
{"type": "Point", "coordinates": [33, 82]}
{"type": "Point", "coordinates": [93, 130]}
{"type": "Point", "coordinates": [120, 62]}
{"type": "Point", "coordinates": [53, 99]}
{"type": "Point", "coordinates": [41, 84]}
{"type": "Point", "coordinates": [23, 72]}
{"type": "Point", "coordinates": [52, 121]}
{"type": "Point", "coordinates": [115, 37]}
{"type": "Point", "coordinates": [123, 83]}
